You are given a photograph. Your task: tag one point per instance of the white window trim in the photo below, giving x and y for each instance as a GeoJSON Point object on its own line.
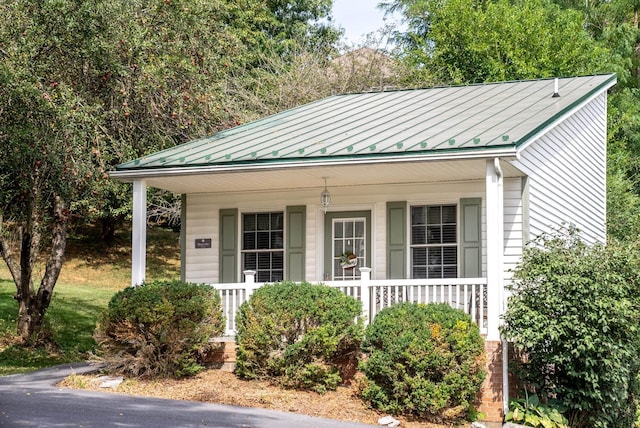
{"type": "Point", "coordinates": [434, 202]}
{"type": "Point", "coordinates": [241, 252]}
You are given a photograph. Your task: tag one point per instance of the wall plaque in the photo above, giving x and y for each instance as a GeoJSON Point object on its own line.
{"type": "Point", "coordinates": [203, 243]}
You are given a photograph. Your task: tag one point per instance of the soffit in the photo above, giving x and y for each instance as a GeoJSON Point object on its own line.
{"type": "Point", "coordinates": [337, 176]}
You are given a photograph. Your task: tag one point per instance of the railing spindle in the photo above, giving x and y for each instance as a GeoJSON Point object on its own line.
{"type": "Point", "coordinates": [473, 303]}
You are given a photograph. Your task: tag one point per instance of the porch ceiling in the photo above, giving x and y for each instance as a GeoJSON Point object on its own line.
{"type": "Point", "coordinates": [337, 176]}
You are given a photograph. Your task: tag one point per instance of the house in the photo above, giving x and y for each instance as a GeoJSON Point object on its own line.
{"type": "Point", "coordinates": [425, 194]}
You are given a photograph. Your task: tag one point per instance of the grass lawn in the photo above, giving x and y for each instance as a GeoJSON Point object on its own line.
{"type": "Point", "coordinates": [91, 274]}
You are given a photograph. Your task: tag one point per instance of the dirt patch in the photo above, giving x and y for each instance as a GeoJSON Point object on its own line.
{"type": "Point", "coordinates": [217, 386]}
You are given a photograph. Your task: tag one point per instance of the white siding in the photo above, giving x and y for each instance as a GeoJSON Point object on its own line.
{"type": "Point", "coordinates": [202, 264]}
{"type": "Point", "coordinates": [567, 173]}
{"type": "Point", "coordinates": [513, 233]}
{"type": "Point", "coordinates": [202, 220]}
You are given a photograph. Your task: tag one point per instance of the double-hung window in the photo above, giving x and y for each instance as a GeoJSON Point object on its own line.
{"type": "Point", "coordinates": [263, 245]}
{"type": "Point", "coordinates": [434, 241]}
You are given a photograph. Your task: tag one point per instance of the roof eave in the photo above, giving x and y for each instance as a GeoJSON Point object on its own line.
{"type": "Point", "coordinates": [139, 174]}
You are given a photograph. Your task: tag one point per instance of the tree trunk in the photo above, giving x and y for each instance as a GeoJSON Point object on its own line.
{"type": "Point", "coordinates": [7, 252]}
{"type": "Point", "coordinates": [25, 293]}
{"type": "Point", "coordinates": [29, 321]}
{"type": "Point", "coordinates": [108, 229]}
{"type": "Point", "coordinates": [31, 305]}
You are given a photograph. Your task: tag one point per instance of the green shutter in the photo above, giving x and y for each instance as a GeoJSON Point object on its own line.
{"type": "Point", "coordinates": [471, 237]}
{"type": "Point", "coordinates": [229, 245]}
{"type": "Point", "coordinates": [396, 240]}
{"type": "Point", "coordinates": [295, 254]}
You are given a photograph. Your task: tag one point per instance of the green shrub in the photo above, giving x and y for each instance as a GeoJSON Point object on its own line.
{"type": "Point", "coordinates": [299, 335]}
{"type": "Point", "coordinates": [160, 329]}
{"type": "Point", "coordinates": [574, 314]}
{"type": "Point", "coordinates": [423, 360]}
{"type": "Point", "coordinates": [530, 412]}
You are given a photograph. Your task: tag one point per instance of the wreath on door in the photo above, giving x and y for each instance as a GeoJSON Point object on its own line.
{"type": "Point", "coordinates": [348, 260]}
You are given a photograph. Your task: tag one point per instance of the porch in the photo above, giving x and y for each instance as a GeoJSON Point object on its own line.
{"type": "Point", "coordinates": [215, 228]}
{"type": "Point", "coordinates": [466, 294]}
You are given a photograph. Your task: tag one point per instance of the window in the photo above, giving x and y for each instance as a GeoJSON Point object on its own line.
{"type": "Point", "coordinates": [263, 245]}
{"type": "Point", "coordinates": [434, 247]}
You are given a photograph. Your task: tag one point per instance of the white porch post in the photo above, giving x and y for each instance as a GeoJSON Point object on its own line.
{"type": "Point", "coordinates": [249, 282]}
{"type": "Point", "coordinates": [139, 233]}
{"type": "Point", "coordinates": [495, 247]}
{"type": "Point", "coordinates": [365, 278]}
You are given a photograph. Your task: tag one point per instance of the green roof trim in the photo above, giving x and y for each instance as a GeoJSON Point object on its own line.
{"type": "Point", "coordinates": [442, 121]}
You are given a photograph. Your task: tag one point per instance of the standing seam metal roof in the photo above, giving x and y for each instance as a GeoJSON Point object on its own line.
{"type": "Point", "coordinates": [451, 120]}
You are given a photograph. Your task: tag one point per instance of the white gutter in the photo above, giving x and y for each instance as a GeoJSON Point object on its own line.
{"type": "Point", "coordinates": [505, 346]}
{"type": "Point", "coordinates": [496, 165]}
{"type": "Point", "coordinates": [131, 174]}
{"type": "Point", "coordinates": [505, 376]}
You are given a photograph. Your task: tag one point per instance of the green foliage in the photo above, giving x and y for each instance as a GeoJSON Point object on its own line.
{"type": "Point", "coordinates": [612, 24]}
{"type": "Point", "coordinates": [467, 41]}
{"type": "Point", "coordinates": [120, 79]}
{"type": "Point", "coordinates": [299, 335]}
{"type": "Point", "coordinates": [530, 412]}
{"type": "Point", "coordinates": [623, 185]}
{"type": "Point", "coordinates": [621, 40]}
{"type": "Point", "coordinates": [85, 86]}
{"type": "Point", "coordinates": [623, 205]}
{"type": "Point", "coordinates": [160, 329]}
{"type": "Point", "coordinates": [423, 360]}
{"type": "Point", "coordinates": [574, 314]}
{"type": "Point", "coordinates": [302, 24]}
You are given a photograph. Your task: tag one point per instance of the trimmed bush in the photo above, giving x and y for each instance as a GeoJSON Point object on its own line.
{"type": "Point", "coordinates": [574, 314]}
{"type": "Point", "coordinates": [299, 335]}
{"type": "Point", "coordinates": [426, 361]}
{"type": "Point", "coordinates": [160, 329]}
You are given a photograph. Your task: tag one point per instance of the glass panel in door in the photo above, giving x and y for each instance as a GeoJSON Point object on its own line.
{"type": "Point", "coordinates": [349, 248]}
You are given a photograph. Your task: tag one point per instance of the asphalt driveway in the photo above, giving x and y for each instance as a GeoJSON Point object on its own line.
{"type": "Point", "coordinates": [32, 400]}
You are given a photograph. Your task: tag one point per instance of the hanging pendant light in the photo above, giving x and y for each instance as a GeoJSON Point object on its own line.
{"type": "Point", "coordinates": [325, 197]}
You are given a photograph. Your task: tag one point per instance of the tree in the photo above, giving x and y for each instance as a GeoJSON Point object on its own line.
{"type": "Point", "coordinates": [280, 84]}
{"type": "Point", "coordinates": [47, 136]}
{"type": "Point", "coordinates": [87, 85]}
{"type": "Point", "coordinates": [46, 154]}
{"type": "Point", "coordinates": [305, 24]}
{"type": "Point", "coordinates": [468, 41]}
{"type": "Point", "coordinates": [623, 168]}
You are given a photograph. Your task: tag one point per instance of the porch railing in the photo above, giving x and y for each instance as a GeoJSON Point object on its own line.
{"type": "Point", "coordinates": [467, 294]}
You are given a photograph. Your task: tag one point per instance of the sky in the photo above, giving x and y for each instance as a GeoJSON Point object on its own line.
{"type": "Point", "coordinates": [358, 18]}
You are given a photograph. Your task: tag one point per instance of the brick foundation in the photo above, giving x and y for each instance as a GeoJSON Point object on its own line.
{"type": "Point", "coordinates": [223, 358]}
{"type": "Point", "coordinates": [490, 400]}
